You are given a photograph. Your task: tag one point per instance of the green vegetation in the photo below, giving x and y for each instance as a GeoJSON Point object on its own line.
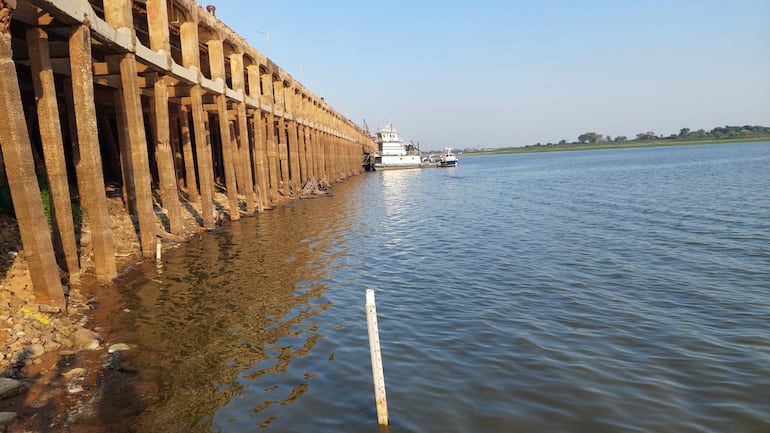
{"type": "Point", "coordinates": [592, 140]}
{"type": "Point", "coordinates": [6, 202]}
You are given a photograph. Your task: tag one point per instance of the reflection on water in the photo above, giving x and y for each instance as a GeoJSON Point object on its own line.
{"type": "Point", "coordinates": [235, 307]}
{"type": "Point", "coordinates": [596, 291]}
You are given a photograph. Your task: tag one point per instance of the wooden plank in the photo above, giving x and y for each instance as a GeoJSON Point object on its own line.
{"type": "Point", "coordinates": [376, 356]}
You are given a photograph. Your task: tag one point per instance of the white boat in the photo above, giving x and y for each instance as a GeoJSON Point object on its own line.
{"type": "Point", "coordinates": [447, 158]}
{"type": "Point", "coordinates": [393, 152]}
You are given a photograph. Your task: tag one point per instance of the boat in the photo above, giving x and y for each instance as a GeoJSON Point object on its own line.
{"type": "Point", "coordinates": [447, 158]}
{"type": "Point", "coordinates": [393, 153]}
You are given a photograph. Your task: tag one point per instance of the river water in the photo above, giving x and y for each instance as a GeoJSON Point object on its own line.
{"type": "Point", "coordinates": [592, 291]}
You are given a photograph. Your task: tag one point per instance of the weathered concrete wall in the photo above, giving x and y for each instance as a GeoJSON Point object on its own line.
{"type": "Point", "coordinates": [163, 99]}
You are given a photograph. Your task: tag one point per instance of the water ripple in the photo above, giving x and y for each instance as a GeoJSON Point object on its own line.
{"type": "Point", "coordinates": [611, 291]}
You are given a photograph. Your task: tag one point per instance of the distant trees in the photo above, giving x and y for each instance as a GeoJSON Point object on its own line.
{"type": "Point", "coordinates": [724, 133]}
{"type": "Point", "coordinates": [685, 134]}
{"type": "Point", "coordinates": [590, 138]}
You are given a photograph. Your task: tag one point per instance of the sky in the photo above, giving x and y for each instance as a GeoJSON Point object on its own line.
{"type": "Point", "coordinates": [483, 74]}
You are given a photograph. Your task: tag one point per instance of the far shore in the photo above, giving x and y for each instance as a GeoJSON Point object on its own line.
{"type": "Point", "coordinates": [608, 145]}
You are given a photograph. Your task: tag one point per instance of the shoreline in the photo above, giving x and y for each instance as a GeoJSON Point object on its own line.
{"type": "Point", "coordinates": [599, 146]}
{"type": "Point", "coordinates": [57, 364]}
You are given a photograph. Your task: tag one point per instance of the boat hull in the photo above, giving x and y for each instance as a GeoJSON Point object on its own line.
{"type": "Point", "coordinates": [397, 167]}
{"type": "Point", "coordinates": [387, 162]}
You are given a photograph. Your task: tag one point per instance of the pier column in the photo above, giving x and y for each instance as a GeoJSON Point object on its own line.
{"type": "Point", "coordinates": [53, 148]}
{"type": "Point", "coordinates": [325, 150]}
{"type": "Point", "coordinates": [283, 148]}
{"type": "Point", "coordinates": [293, 145]}
{"type": "Point", "coordinates": [117, 13]}
{"type": "Point", "coordinates": [191, 59]}
{"type": "Point", "coordinates": [302, 138]}
{"type": "Point", "coordinates": [191, 180]}
{"type": "Point", "coordinates": [313, 134]}
{"type": "Point", "coordinates": [259, 150]}
{"type": "Point", "coordinates": [268, 98]}
{"type": "Point", "coordinates": [238, 76]}
{"type": "Point", "coordinates": [88, 159]}
{"type": "Point", "coordinates": [259, 166]}
{"type": "Point", "coordinates": [308, 131]}
{"type": "Point", "coordinates": [217, 63]}
{"type": "Point", "coordinates": [157, 17]}
{"type": "Point", "coordinates": [137, 141]}
{"type": "Point", "coordinates": [163, 154]}
{"type": "Point", "coordinates": [121, 121]}
{"type": "Point", "coordinates": [20, 171]}
{"type": "Point", "coordinates": [272, 155]}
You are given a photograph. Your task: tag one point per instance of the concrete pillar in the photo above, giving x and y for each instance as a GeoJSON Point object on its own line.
{"type": "Point", "coordinates": [292, 143]}
{"type": "Point", "coordinates": [118, 14]}
{"type": "Point", "coordinates": [191, 58]}
{"type": "Point", "coordinates": [88, 159]}
{"type": "Point", "coordinates": [164, 156]}
{"type": "Point", "coordinates": [137, 141]}
{"type": "Point", "coordinates": [191, 180]}
{"type": "Point", "coordinates": [238, 76]}
{"type": "Point", "coordinates": [157, 17]}
{"type": "Point", "coordinates": [302, 137]}
{"type": "Point", "coordinates": [259, 161]}
{"type": "Point", "coordinates": [53, 148]}
{"type": "Point", "coordinates": [217, 63]}
{"type": "Point", "coordinates": [268, 99]}
{"type": "Point", "coordinates": [20, 171]}
{"type": "Point", "coordinates": [283, 148]}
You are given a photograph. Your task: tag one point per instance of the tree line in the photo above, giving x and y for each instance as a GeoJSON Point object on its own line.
{"type": "Point", "coordinates": [685, 134]}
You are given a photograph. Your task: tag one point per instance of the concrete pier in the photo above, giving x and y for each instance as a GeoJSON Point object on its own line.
{"type": "Point", "coordinates": [162, 99]}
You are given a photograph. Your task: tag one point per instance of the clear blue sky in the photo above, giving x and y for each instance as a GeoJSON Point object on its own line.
{"type": "Point", "coordinates": [512, 73]}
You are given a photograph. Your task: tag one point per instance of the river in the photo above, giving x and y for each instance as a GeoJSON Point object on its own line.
{"type": "Point", "coordinates": [593, 291]}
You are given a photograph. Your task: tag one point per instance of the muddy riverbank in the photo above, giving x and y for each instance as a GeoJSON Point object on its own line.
{"type": "Point", "coordinates": [58, 365]}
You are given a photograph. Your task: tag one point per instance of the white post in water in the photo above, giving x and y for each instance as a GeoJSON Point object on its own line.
{"type": "Point", "coordinates": [158, 249]}
{"type": "Point", "coordinates": [374, 349]}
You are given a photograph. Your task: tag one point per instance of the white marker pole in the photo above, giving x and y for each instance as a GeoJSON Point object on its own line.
{"type": "Point", "coordinates": [374, 349]}
{"type": "Point", "coordinates": [158, 249]}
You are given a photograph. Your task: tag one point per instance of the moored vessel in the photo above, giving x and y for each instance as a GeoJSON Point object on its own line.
{"type": "Point", "coordinates": [393, 153]}
{"type": "Point", "coordinates": [447, 158]}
